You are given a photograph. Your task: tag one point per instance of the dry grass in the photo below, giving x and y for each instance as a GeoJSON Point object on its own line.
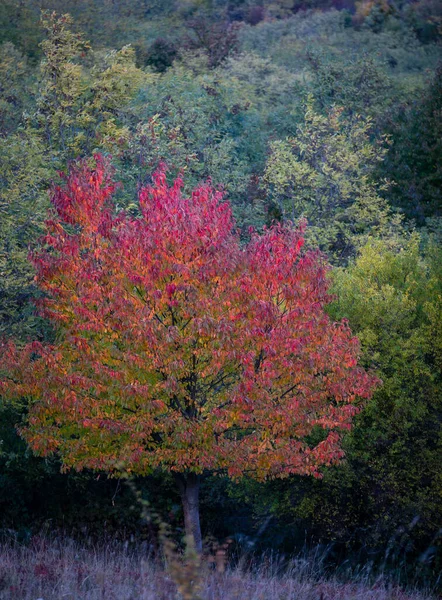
{"type": "Point", "coordinates": [56, 569]}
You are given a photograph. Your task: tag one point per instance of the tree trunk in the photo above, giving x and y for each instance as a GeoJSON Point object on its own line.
{"type": "Point", "coordinates": [189, 487]}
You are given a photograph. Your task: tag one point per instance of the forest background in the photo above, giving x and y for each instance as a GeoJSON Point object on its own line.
{"type": "Point", "coordinates": [325, 109]}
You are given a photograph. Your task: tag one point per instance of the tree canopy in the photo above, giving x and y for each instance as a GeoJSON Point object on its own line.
{"type": "Point", "coordinates": [178, 348]}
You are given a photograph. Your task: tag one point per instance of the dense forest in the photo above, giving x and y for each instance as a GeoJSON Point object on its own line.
{"type": "Point", "coordinates": [313, 119]}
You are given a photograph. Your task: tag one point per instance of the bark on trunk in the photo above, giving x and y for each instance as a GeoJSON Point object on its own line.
{"type": "Point", "coordinates": [189, 487]}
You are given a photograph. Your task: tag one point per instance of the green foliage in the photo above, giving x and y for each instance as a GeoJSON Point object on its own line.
{"type": "Point", "coordinates": [76, 110]}
{"type": "Point", "coordinates": [424, 17]}
{"type": "Point", "coordinates": [19, 26]}
{"type": "Point", "coordinates": [393, 299]}
{"type": "Point", "coordinates": [15, 81]}
{"type": "Point", "coordinates": [274, 92]}
{"type": "Point", "coordinates": [199, 122]}
{"type": "Point", "coordinates": [362, 70]}
{"type": "Point", "coordinates": [415, 158]}
{"type": "Point", "coordinates": [325, 174]}
{"type": "Point", "coordinates": [23, 205]}
{"type": "Point", "coordinates": [360, 87]}
{"type": "Point", "coordinates": [160, 55]}
{"type": "Point", "coordinates": [61, 85]}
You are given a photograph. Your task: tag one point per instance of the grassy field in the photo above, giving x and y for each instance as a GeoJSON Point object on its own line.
{"type": "Point", "coordinates": [60, 568]}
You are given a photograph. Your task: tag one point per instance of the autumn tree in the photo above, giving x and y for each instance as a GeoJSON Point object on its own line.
{"type": "Point", "coordinates": [177, 347]}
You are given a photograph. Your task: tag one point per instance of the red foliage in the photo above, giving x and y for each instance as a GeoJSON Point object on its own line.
{"type": "Point", "coordinates": [179, 348]}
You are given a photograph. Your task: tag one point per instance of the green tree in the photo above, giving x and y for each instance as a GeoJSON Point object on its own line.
{"type": "Point", "coordinates": [77, 109]}
{"type": "Point", "coordinates": [25, 176]}
{"type": "Point", "coordinates": [325, 173]}
{"type": "Point", "coordinates": [415, 158]}
{"type": "Point", "coordinates": [19, 26]}
{"type": "Point", "coordinates": [391, 485]}
{"type": "Point", "coordinates": [15, 82]}
{"type": "Point", "coordinates": [201, 122]}
{"type": "Point", "coordinates": [360, 87]}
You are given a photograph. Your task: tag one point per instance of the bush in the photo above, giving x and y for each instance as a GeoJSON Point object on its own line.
{"type": "Point", "coordinates": [160, 55]}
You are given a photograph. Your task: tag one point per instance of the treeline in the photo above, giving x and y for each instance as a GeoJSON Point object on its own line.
{"type": "Point", "coordinates": [329, 114]}
{"type": "Point", "coordinates": [160, 27]}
